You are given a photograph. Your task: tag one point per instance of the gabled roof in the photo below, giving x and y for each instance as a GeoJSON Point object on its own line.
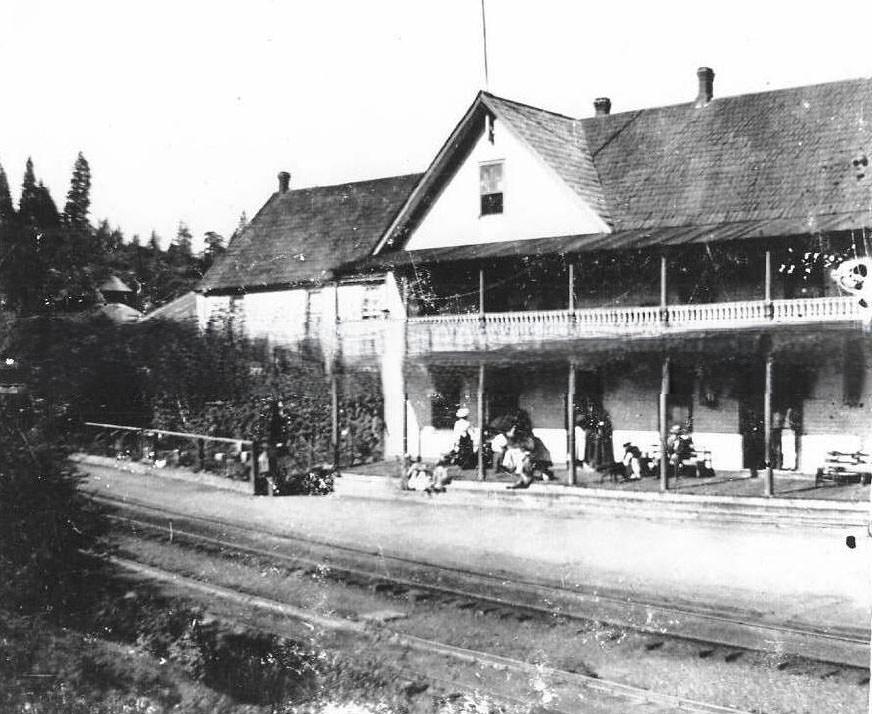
{"type": "Point", "coordinates": [182, 309]}
{"type": "Point", "coordinates": [303, 235]}
{"type": "Point", "coordinates": [776, 163]}
{"type": "Point", "coordinates": [558, 141]}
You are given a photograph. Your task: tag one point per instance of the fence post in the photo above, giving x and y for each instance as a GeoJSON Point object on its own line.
{"type": "Point", "coordinates": [253, 466]}
{"type": "Point", "coordinates": [201, 453]}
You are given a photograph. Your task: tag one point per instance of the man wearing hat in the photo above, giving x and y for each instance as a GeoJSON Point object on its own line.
{"type": "Point", "coordinates": [464, 452]}
{"type": "Point", "coordinates": [679, 446]}
{"type": "Point", "coordinates": [633, 467]}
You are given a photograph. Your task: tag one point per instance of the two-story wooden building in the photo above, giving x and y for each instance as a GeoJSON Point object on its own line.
{"type": "Point", "coordinates": [659, 266]}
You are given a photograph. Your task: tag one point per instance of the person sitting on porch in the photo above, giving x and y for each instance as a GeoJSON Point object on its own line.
{"type": "Point", "coordinates": [679, 446]}
{"type": "Point", "coordinates": [517, 459]}
{"type": "Point", "coordinates": [635, 468]}
{"type": "Point", "coordinates": [463, 451]}
{"type": "Point", "coordinates": [441, 477]}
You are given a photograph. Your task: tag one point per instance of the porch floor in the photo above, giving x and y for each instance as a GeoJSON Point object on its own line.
{"type": "Point", "coordinates": [726, 483]}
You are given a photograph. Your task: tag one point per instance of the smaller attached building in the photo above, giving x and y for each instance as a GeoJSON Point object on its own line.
{"type": "Point", "coordinates": [277, 279]}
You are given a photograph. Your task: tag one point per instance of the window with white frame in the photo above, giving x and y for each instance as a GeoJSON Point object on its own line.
{"type": "Point", "coordinates": [371, 304]}
{"type": "Point", "coordinates": [314, 312]}
{"type": "Point", "coordinates": [491, 187]}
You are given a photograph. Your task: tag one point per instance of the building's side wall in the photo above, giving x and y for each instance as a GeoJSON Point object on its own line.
{"type": "Point", "coordinates": [280, 316]}
{"type": "Point", "coordinates": [536, 202]}
{"type": "Point", "coordinates": [632, 405]}
{"type": "Point", "coordinates": [831, 425]}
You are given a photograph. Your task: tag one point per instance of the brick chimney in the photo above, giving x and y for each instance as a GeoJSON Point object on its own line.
{"type": "Point", "coordinates": [602, 106]}
{"type": "Point", "coordinates": [284, 181]}
{"type": "Point", "coordinates": [706, 76]}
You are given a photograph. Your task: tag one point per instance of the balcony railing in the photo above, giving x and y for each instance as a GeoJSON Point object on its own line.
{"type": "Point", "coordinates": [444, 333]}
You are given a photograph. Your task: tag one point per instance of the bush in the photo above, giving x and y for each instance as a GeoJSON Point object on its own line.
{"type": "Point", "coordinates": [45, 522]}
{"type": "Point", "coordinates": [172, 376]}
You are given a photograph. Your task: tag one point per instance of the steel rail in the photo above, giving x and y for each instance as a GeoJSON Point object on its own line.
{"type": "Point", "coordinates": [704, 626]}
{"type": "Point", "coordinates": [420, 644]}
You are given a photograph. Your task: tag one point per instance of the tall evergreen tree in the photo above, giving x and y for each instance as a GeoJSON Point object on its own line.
{"type": "Point", "coordinates": [183, 241]}
{"type": "Point", "coordinates": [154, 243]}
{"type": "Point", "coordinates": [7, 209]}
{"type": "Point", "coordinates": [29, 199]}
{"type": "Point", "coordinates": [45, 209]}
{"type": "Point", "coordinates": [79, 195]}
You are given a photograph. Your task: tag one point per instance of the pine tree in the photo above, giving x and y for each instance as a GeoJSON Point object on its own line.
{"type": "Point", "coordinates": [214, 248]}
{"type": "Point", "coordinates": [29, 199]}
{"type": "Point", "coordinates": [154, 243]}
{"type": "Point", "coordinates": [79, 195]}
{"type": "Point", "coordinates": [183, 240]}
{"type": "Point", "coordinates": [7, 209]}
{"type": "Point", "coordinates": [45, 210]}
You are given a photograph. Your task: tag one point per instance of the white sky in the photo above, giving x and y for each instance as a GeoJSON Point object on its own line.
{"type": "Point", "coordinates": [186, 110]}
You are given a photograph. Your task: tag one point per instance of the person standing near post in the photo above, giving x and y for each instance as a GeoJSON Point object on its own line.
{"type": "Point", "coordinates": [464, 451]}
{"type": "Point", "coordinates": [788, 442]}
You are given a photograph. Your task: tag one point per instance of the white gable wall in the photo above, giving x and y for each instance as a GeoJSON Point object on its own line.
{"type": "Point", "coordinates": [536, 202]}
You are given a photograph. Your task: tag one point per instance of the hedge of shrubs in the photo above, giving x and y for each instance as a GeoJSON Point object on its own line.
{"type": "Point", "coordinates": [172, 376]}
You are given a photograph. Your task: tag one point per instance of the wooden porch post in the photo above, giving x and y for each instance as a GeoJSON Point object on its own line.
{"type": "Point", "coordinates": [334, 418]}
{"type": "Point", "coordinates": [480, 418]}
{"type": "Point", "coordinates": [664, 311]}
{"type": "Point", "coordinates": [571, 298]}
{"type": "Point", "coordinates": [570, 423]}
{"type": "Point", "coordinates": [767, 285]}
{"type": "Point", "coordinates": [334, 387]}
{"type": "Point", "coordinates": [481, 293]}
{"type": "Point", "coordinates": [768, 485]}
{"type": "Point", "coordinates": [405, 424]}
{"type": "Point", "coordinates": [664, 395]}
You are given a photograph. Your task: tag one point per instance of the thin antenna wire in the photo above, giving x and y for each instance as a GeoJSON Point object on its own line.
{"type": "Point", "coordinates": [484, 43]}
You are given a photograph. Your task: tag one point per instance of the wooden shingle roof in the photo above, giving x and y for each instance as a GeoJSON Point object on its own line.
{"type": "Point", "coordinates": [560, 142]}
{"type": "Point", "coordinates": [785, 155]}
{"type": "Point", "coordinates": [303, 235]}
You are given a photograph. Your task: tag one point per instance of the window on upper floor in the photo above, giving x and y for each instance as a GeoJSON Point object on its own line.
{"type": "Point", "coordinates": [371, 305]}
{"type": "Point", "coordinates": [491, 187]}
{"type": "Point", "coordinates": [314, 305]}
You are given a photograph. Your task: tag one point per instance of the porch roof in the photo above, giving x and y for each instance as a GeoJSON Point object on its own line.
{"type": "Point", "coordinates": [797, 344]}
{"type": "Point", "coordinates": [635, 239]}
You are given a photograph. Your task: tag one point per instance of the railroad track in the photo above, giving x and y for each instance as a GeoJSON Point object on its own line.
{"type": "Point", "coordinates": [610, 695]}
{"type": "Point", "coordinates": [506, 597]}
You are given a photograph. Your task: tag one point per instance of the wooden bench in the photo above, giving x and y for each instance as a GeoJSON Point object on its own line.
{"type": "Point", "coordinates": [845, 467]}
{"type": "Point", "coordinates": [697, 463]}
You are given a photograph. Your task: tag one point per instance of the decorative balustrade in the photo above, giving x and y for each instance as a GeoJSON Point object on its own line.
{"type": "Point", "coordinates": [442, 333]}
{"type": "Point", "coordinates": [816, 310]}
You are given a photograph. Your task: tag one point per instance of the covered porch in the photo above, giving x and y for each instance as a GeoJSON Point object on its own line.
{"type": "Point", "coordinates": [757, 400]}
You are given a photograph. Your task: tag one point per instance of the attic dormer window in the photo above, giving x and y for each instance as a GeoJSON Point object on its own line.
{"type": "Point", "coordinates": [491, 184]}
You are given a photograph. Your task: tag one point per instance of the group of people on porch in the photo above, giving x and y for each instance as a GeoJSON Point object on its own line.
{"type": "Point", "coordinates": [510, 446]}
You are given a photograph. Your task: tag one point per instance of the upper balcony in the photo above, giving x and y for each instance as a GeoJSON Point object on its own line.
{"type": "Point", "coordinates": [555, 303]}
{"type": "Point", "coordinates": [364, 340]}
{"type": "Point", "coordinates": [536, 329]}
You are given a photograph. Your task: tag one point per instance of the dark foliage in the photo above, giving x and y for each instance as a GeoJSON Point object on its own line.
{"type": "Point", "coordinates": [44, 521]}
{"type": "Point", "coordinates": [167, 375]}
{"type": "Point", "coordinates": [52, 262]}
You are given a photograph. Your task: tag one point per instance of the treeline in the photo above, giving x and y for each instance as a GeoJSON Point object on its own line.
{"type": "Point", "coordinates": [54, 260]}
